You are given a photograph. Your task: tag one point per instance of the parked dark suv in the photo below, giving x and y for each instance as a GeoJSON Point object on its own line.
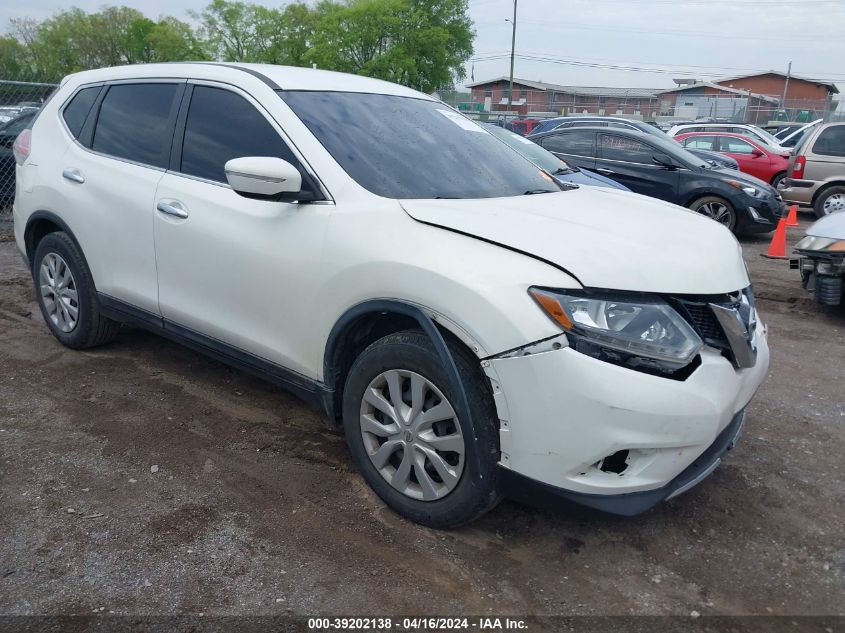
{"type": "Point", "coordinates": [661, 168]}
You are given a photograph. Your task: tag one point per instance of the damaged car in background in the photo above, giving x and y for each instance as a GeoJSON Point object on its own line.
{"type": "Point", "coordinates": [822, 259]}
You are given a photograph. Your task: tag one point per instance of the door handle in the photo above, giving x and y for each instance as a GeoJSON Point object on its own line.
{"type": "Point", "coordinates": [73, 175]}
{"type": "Point", "coordinates": [605, 171]}
{"type": "Point", "coordinates": [174, 208]}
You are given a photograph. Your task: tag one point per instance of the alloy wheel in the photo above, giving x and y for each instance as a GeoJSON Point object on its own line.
{"type": "Point", "coordinates": [715, 211]}
{"type": "Point", "coordinates": [58, 292]}
{"type": "Point", "coordinates": [412, 435]}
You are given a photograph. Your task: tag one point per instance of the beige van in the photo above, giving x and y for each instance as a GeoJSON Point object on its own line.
{"type": "Point", "coordinates": [816, 173]}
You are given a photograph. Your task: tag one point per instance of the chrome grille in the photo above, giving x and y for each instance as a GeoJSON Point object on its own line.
{"type": "Point", "coordinates": [700, 312]}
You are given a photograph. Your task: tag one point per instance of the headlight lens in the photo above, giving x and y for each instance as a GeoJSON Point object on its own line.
{"type": "Point", "coordinates": [643, 328]}
{"type": "Point", "coordinates": [751, 190]}
{"type": "Point", "coordinates": [814, 243]}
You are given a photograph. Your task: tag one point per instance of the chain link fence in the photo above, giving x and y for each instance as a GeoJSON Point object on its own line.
{"type": "Point", "coordinates": [19, 103]}
{"type": "Point", "coordinates": [662, 110]}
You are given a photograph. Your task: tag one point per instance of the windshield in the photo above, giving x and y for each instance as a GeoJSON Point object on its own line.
{"type": "Point", "coordinates": [546, 126]}
{"type": "Point", "coordinates": [403, 147]}
{"type": "Point", "coordinates": [533, 152]}
{"type": "Point", "coordinates": [767, 138]}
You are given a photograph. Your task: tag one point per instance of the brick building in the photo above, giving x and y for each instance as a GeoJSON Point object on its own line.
{"type": "Point", "coordinates": [801, 92]}
{"type": "Point", "coordinates": [692, 99]}
{"type": "Point", "coordinates": [753, 98]}
{"type": "Point", "coordinates": [537, 96]}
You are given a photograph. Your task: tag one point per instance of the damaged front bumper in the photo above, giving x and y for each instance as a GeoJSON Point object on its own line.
{"type": "Point", "coordinates": [517, 486]}
{"type": "Point", "coordinates": [612, 438]}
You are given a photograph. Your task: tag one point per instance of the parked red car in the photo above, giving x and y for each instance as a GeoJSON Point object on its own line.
{"type": "Point", "coordinates": [754, 158]}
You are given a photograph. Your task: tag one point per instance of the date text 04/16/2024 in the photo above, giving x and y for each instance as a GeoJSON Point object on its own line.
{"type": "Point", "coordinates": [387, 625]}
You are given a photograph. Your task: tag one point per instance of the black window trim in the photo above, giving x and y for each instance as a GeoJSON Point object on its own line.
{"type": "Point", "coordinates": [819, 133]}
{"type": "Point", "coordinates": [657, 150]}
{"type": "Point", "coordinates": [316, 183]}
{"type": "Point", "coordinates": [90, 124]}
{"type": "Point", "coordinates": [567, 131]}
{"type": "Point", "coordinates": [60, 112]}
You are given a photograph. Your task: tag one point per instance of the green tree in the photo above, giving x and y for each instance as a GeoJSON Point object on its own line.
{"type": "Point", "coordinates": [14, 61]}
{"type": "Point", "coordinates": [243, 32]}
{"type": "Point", "coordinates": [73, 40]}
{"type": "Point", "coordinates": [419, 43]}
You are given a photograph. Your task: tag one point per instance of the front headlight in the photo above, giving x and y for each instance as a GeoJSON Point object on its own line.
{"type": "Point", "coordinates": [751, 190]}
{"type": "Point", "coordinates": [814, 243]}
{"type": "Point", "coordinates": [635, 332]}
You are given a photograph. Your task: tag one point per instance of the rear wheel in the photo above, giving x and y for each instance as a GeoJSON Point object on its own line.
{"type": "Point", "coordinates": [66, 294]}
{"type": "Point", "coordinates": [830, 201]}
{"type": "Point", "coordinates": [400, 415]}
{"type": "Point", "coordinates": [717, 209]}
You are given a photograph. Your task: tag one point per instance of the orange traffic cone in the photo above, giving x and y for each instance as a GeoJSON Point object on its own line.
{"type": "Point", "coordinates": [777, 249]}
{"type": "Point", "coordinates": [792, 218]}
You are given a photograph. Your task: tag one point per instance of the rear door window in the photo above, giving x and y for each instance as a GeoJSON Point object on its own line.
{"type": "Point", "coordinates": [135, 122]}
{"type": "Point", "coordinates": [222, 125]}
{"type": "Point", "coordinates": [731, 145]}
{"type": "Point", "coordinates": [77, 110]}
{"type": "Point", "coordinates": [625, 149]}
{"type": "Point", "coordinates": [575, 143]}
{"type": "Point", "coordinates": [831, 142]}
{"type": "Point", "coordinates": [700, 142]}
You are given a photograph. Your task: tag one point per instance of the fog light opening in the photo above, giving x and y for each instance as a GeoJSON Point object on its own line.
{"type": "Point", "coordinates": [616, 463]}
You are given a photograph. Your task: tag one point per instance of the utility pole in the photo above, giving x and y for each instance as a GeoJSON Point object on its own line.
{"type": "Point", "coordinates": [786, 86]}
{"type": "Point", "coordinates": [513, 48]}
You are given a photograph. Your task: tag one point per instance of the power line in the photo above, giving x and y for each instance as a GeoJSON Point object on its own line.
{"type": "Point", "coordinates": [627, 68]}
{"type": "Point", "coordinates": [679, 68]}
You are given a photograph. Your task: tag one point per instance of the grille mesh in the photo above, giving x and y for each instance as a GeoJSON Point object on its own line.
{"type": "Point", "coordinates": [705, 323]}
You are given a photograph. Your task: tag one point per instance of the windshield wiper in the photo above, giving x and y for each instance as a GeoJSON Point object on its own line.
{"type": "Point", "coordinates": [534, 192]}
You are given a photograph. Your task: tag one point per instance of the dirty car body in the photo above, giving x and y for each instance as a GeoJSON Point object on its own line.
{"type": "Point", "coordinates": [474, 326]}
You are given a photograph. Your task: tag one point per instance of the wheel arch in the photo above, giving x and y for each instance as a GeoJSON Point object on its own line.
{"type": "Point", "coordinates": [825, 187]}
{"type": "Point", "coordinates": [369, 321]}
{"type": "Point", "coordinates": [779, 174]}
{"type": "Point", "coordinates": [41, 224]}
{"type": "Point", "coordinates": [698, 194]}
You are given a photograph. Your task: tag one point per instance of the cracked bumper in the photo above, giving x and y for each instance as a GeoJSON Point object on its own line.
{"type": "Point", "coordinates": [563, 412]}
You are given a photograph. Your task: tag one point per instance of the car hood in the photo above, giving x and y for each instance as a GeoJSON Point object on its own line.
{"type": "Point", "coordinates": [742, 177]}
{"type": "Point", "coordinates": [605, 238]}
{"type": "Point", "coordinates": [832, 226]}
{"type": "Point", "coordinates": [585, 177]}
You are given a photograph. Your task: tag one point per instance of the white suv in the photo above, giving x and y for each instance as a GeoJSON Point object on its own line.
{"type": "Point", "coordinates": [751, 131]}
{"type": "Point", "coordinates": [475, 328]}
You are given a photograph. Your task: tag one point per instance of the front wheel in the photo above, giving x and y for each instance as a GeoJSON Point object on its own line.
{"type": "Point", "coordinates": [717, 209]}
{"type": "Point", "coordinates": [400, 415]}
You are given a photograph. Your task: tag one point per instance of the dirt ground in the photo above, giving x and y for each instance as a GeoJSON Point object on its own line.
{"type": "Point", "coordinates": [254, 506]}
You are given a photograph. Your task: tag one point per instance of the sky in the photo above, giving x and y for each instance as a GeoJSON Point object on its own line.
{"type": "Point", "coordinates": [570, 41]}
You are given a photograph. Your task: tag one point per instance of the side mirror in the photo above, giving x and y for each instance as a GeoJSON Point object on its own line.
{"type": "Point", "coordinates": [266, 178]}
{"type": "Point", "coordinates": [664, 161]}
{"type": "Point", "coordinates": [756, 153]}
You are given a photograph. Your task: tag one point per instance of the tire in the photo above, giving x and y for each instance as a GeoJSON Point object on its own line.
{"type": "Point", "coordinates": [829, 201]}
{"type": "Point", "coordinates": [476, 489]}
{"type": "Point", "coordinates": [777, 179]}
{"type": "Point", "coordinates": [55, 257]}
{"type": "Point", "coordinates": [716, 208]}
